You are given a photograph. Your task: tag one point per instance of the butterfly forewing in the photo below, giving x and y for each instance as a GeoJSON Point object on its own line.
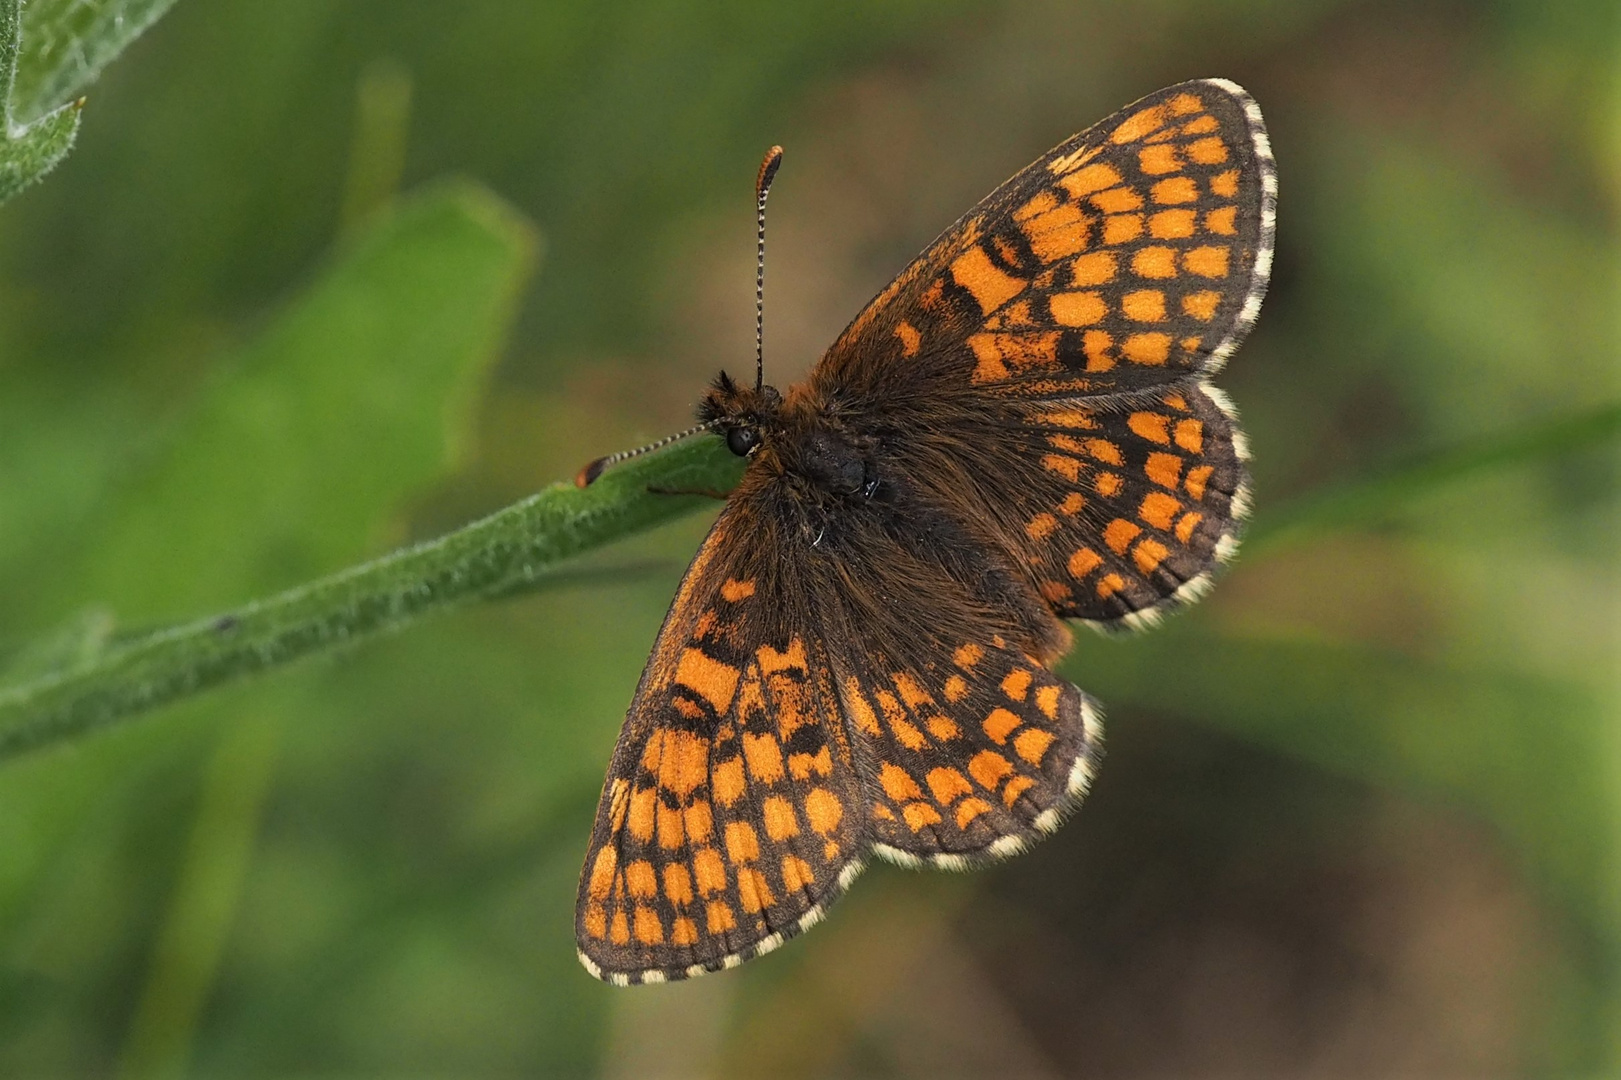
{"type": "Point", "coordinates": [731, 810]}
{"type": "Point", "coordinates": [1134, 253]}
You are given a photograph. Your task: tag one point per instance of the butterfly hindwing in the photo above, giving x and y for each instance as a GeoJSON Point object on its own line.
{"type": "Point", "coordinates": [1130, 501]}
{"type": "Point", "coordinates": [970, 757]}
{"type": "Point", "coordinates": [1133, 254]}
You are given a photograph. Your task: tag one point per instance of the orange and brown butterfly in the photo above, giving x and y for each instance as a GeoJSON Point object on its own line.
{"type": "Point", "coordinates": [1019, 430]}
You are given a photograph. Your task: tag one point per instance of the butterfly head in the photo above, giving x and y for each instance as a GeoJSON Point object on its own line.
{"type": "Point", "coordinates": [748, 417]}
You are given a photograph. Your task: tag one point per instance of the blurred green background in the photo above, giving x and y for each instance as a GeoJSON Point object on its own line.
{"type": "Point", "coordinates": [323, 277]}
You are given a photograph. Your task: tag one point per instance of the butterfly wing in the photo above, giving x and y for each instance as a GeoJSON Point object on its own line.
{"type": "Point", "coordinates": [729, 816]}
{"type": "Point", "coordinates": [1086, 302]}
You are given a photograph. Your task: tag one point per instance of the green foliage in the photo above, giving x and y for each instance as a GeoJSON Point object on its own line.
{"type": "Point", "coordinates": [49, 52]}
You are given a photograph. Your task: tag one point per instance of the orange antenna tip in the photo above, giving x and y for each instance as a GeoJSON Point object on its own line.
{"type": "Point", "coordinates": [768, 172]}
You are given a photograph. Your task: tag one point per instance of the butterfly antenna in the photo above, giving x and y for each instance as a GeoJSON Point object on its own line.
{"type": "Point", "coordinates": [595, 468]}
{"type": "Point", "coordinates": [762, 188]}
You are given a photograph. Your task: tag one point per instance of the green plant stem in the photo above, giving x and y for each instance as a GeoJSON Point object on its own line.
{"type": "Point", "coordinates": [498, 554]}
{"type": "Point", "coordinates": [518, 546]}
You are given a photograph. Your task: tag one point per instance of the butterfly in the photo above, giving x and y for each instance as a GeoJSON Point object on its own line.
{"type": "Point", "coordinates": [1018, 430]}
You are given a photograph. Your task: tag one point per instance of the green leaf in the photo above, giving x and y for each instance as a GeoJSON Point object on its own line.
{"type": "Point", "coordinates": [27, 150]}
{"type": "Point", "coordinates": [69, 42]}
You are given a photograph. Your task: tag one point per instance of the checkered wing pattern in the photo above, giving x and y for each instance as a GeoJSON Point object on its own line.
{"type": "Point", "coordinates": [730, 816]}
{"type": "Point", "coordinates": [1129, 256]}
{"type": "Point", "coordinates": [1128, 503]}
{"type": "Point", "coordinates": [970, 757]}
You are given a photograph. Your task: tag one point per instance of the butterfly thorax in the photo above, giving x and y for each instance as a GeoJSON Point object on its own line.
{"type": "Point", "coordinates": [796, 436]}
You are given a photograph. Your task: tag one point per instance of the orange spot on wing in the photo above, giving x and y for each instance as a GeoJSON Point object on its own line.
{"type": "Point", "coordinates": [1143, 305]}
{"type": "Point", "coordinates": [1109, 585]}
{"type": "Point", "coordinates": [1225, 184]}
{"type": "Point", "coordinates": [1210, 262]}
{"type": "Point", "coordinates": [671, 833]}
{"type": "Point", "coordinates": [1184, 103]}
{"type": "Point", "coordinates": [796, 874]}
{"type": "Point", "coordinates": [1047, 701]}
{"type": "Point", "coordinates": [1221, 221]}
{"type": "Point", "coordinates": [1119, 534]}
{"type": "Point", "coordinates": [1083, 562]}
{"type": "Point", "coordinates": [1067, 467]}
{"type": "Point", "coordinates": [859, 708]}
{"type": "Point", "coordinates": [1032, 744]}
{"type": "Point", "coordinates": [1055, 592]}
{"type": "Point", "coordinates": [602, 874]}
{"type": "Point", "coordinates": [898, 783]}
{"type": "Point", "coordinates": [1073, 504]}
{"type": "Point", "coordinates": [677, 885]}
{"type": "Point", "coordinates": [1197, 478]}
{"type": "Point", "coordinates": [1154, 262]}
{"type": "Point", "coordinates": [1171, 224]}
{"type": "Point", "coordinates": [966, 656]}
{"type": "Point", "coordinates": [969, 809]}
{"type": "Point", "coordinates": [1159, 159]}
{"type": "Point", "coordinates": [999, 724]}
{"type": "Point", "coordinates": [1190, 435]}
{"type": "Point", "coordinates": [1148, 349]}
{"type": "Point", "coordinates": [649, 929]}
{"type": "Point", "coordinates": [712, 680]}
{"type": "Point", "coordinates": [1016, 787]}
{"type": "Point", "coordinates": [1041, 526]}
{"type": "Point", "coordinates": [956, 688]}
{"type": "Point", "coordinates": [764, 754]}
{"type": "Point", "coordinates": [823, 810]}
{"type": "Point", "coordinates": [726, 781]}
{"type": "Point", "coordinates": [683, 932]}
{"type": "Point", "coordinates": [1117, 200]}
{"type": "Point", "coordinates": [1150, 426]}
{"type": "Point", "coordinates": [640, 881]}
{"type": "Point", "coordinates": [710, 871]}
{"type": "Point", "coordinates": [720, 917]}
{"type": "Point", "coordinates": [1096, 345]}
{"type": "Point", "coordinates": [1090, 179]}
{"type": "Point", "coordinates": [596, 921]}
{"type": "Point", "coordinates": [1058, 234]}
{"type": "Point", "coordinates": [1148, 554]}
{"type": "Point", "coordinates": [742, 843]}
{"type": "Point", "coordinates": [1041, 203]}
{"type": "Point", "coordinates": [1200, 125]}
{"type": "Point", "coordinates": [990, 285]}
{"type": "Point", "coordinates": [1158, 509]}
{"type": "Point", "coordinates": [778, 815]}
{"type": "Point", "coordinates": [699, 820]}
{"type": "Point", "coordinates": [1201, 305]}
{"type": "Point", "coordinates": [1163, 469]}
{"type": "Point", "coordinates": [910, 338]}
{"type": "Point", "coordinates": [619, 929]}
{"type": "Point", "coordinates": [734, 590]}
{"type": "Point", "coordinates": [943, 727]}
{"type": "Point", "coordinates": [1211, 151]}
{"type": "Point", "coordinates": [1176, 189]}
{"type": "Point", "coordinates": [640, 819]}
{"type": "Point", "coordinates": [1016, 684]}
{"type": "Point", "coordinates": [1185, 527]}
{"type": "Point", "coordinates": [752, 890]}
{"type": "Point", "coordinates": [919, 815]}
{"type": "Point", "coordinates": [1139, 124]}
{"type": "Point", "coordinates": [1098, 268]}
{"type": "Point", "coordinates": [1122, 228]}
{"type": "Point", "coordinates": [988, 767]}
{"type": "Point", "coordinates": [1107, 484]}
{"type": "Point", "coordinates": [790, 659]}
{"type": "Point", "coordinates": [1077, 308]}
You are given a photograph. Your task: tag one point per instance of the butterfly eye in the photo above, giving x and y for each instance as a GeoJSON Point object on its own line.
{"type": "Point", "coordinates": [742, 441]}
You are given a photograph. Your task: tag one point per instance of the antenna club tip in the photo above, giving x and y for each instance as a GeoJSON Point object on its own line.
{"type": "Point", "coordinates": [592, 470]}
{"type": "Point", "coordinates": [768, 171]}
